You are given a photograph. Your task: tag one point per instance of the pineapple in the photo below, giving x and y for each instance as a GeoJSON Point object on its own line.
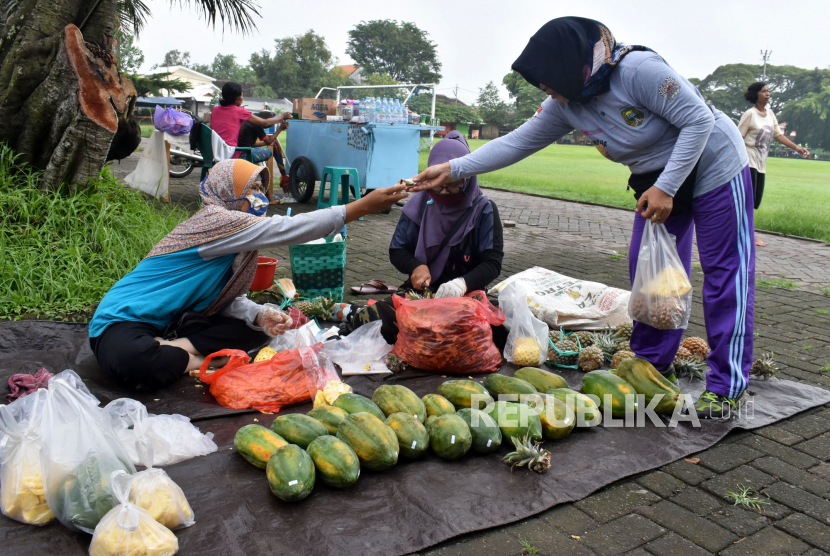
{"type": "Point", "coordinates": [526, 352]}
{"type": "Point", "coordinates": [693, 368]}
{"type": "Point", "coordinates": [624, 330]}
{"type": "Point", "coordinates": [564, 358]}
{"type": "Point", "coordinates": [395, 363]}
{"type": "Point", "coordinates": [319, 307]}
{"type": "Point", "coordinates": [697, 346]}
{"type": "Point", "coordinates": [584, 338]}
{"type": "Point", "coordinates": [682, 353]}
{"type": "Point", "coordinates": [606, 341]}
{"type": "Point", "coordinates": [528, 453]}
{"type": "Point", "coordinates": [765, 367]}
{"type": "Point", "coordinates": [415, 296]}
{"type": "Point", "coordinates": [625, 345]}
{"type": "Point", "coordinates": [638, 307]}
{"type": "Point", "coordinates": [265, 354]}
{"type": "Point", "coordinates": [619, 356]}
{"type": "Point", "coordinates": [591, 359]}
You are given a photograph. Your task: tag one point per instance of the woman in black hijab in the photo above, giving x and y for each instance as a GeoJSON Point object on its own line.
{"type": "Point", "coordinates": [689, 172]}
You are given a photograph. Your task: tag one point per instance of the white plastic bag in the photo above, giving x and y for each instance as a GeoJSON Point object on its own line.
{"type": "Point", "coordinates": [154, 491]}
{"type": "Point", "coordinates": [361, 352]}
{"type": "Point", "coordinates": [21, 475]}
{"type": "Point", "coordinates": [562, 301]}
{"type": "Point", "coordinates": [80, 451]}
{"type": "Point", "coordinates": [527, 343]}
{"type": "Point", "coordinates": [662, 293]}
{"type": "Point", "coordinates": [173, 438]}
{"type": "Point", "coordinates": [127, 530]}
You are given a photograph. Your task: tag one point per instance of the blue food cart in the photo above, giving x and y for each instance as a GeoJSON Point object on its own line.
{"type": "Point", "coordinates": [381, 153]}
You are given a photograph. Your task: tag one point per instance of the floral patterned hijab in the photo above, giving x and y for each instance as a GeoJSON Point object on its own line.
{"type": "Point", "coordinates": [222, 194]}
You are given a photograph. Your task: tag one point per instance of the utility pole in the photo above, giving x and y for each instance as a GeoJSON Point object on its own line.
{"type": "Point", "coordinates": [456, 93]}
{"type": "Point", "coordinates": [765, 56]}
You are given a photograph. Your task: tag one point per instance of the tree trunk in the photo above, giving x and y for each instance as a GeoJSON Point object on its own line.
{"type": "Point", "coordinates": [64, 106]}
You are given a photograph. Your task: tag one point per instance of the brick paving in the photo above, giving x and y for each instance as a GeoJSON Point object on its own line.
{"type": "Point", "coordinates": [680, 508]}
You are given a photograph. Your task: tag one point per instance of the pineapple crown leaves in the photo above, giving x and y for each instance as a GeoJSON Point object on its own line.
{"type": "Point", "coordinates": [765, 367]}
{"type": "Point", "coordinates": [528, 454]}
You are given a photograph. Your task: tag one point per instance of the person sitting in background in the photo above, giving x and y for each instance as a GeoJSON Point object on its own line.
{"type": "Point", "coordinates": [227, 117]}
{"type": "Point", "coordinates": [448, 241]}
{"type": "Point", "coordinates": [252, 135]}
{"type": "Point", "coordinates": [187, 298]}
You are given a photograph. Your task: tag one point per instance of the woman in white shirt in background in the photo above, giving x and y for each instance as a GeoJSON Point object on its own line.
{"type": "Point", "coordinates": [759, 126]}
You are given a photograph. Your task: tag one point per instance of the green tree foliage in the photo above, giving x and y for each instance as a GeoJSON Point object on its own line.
{"type": "Point", "coordinates": [235, 14]}
{"type": "Point", "coordinates": [798, 96]}
{"type": "Point", "coordinates": [129, 56]}
{"type": "Point", "coordinates": [809, 116]}
{"type": "Point", "coordinates": [298, 68]}
{"type": "Point", "coordinates": [726, 86]}
{"type": "Point", "coordinates": [226, 68]}
{"type": "Point", "coordinates": [401, 50]}
{"type": "Point", "coordinates": [174, 58]}
{"type": "Point", "coordinates": [491, 108]}
{"type": "Point", "coordinates": [527, 97]}
{"type": "Point", "coordinates": [447, 111]}
{"type": "Point", "coordinates": [153, 84]}
{"type": "Point", "coordinates": [264, 91]}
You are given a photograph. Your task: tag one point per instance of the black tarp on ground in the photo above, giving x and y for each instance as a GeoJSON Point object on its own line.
{"type": "Point", "coordinates": [410, 507]}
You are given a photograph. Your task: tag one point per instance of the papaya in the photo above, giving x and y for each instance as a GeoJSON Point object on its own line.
{"type": "Point", "coordinates": [375, 444]}
{"type": "Point", "coordinates": [497, 384]}
{"type": "Point", "coordinates": [516, 419]}
{"type": "Point", "coordinates": [437, 404]}
{"type": "Point", "coordinates": [329, 415]}
{"type": "Point", "coordinates": [540, 379]}
{"type": "Point", "coordinates": [298, 429]}
{"type": "Point", "coordinates": [558, 419]}
{"type": "Point", "coordinates": [460, 393]}
{"type": "Point", "coordinates": [392, 398]}
{"type": "Point", "coordinates": [605, 383]}
{"type": "Point", "coordinates": [485, 431]}
{"type": "Point", "coordinates": [290, 473]}
{"type": "Point", "coordinates": [450, 437]}
{"type": "Point", "coordinates": [413, 439]}
{"type": "Point", "coordinates": [646, 380]}
{"type": "Point", "coordinates": [256, 444]}
{"type": "Point", "coordinates": [355, 403]}
{"type": "Point", "coordinates": [432, 418]}
{"type": "Point", "coordinates": [586, 411]}
{"type": "Point", "coordinates": [336, 464]}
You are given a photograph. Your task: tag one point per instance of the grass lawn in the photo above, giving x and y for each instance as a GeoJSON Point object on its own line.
{"type": "Point", "coordinates": [147, 130]}
{"type": "Point", "coordinates": [796, 197]}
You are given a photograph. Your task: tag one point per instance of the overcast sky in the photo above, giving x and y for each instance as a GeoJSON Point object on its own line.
{"type": "Point", "coordinates": [477, 41]}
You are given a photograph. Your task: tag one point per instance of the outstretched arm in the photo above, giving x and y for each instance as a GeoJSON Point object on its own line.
{"type": "Point", "coordinates": [544, 128]}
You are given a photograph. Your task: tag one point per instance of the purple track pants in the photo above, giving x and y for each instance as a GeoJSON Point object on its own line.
{"type": "Point", "coordinates": [726, 245]}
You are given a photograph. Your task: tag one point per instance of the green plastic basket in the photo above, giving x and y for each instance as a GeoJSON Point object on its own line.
{"type": "Point", "coordinates": [318, 270]}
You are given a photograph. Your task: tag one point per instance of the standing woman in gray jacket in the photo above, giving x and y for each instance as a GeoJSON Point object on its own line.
{"type": "Point", "coordinates": [689, 170]}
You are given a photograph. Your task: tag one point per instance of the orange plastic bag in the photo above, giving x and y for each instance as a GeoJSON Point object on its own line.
{"type": "Point", "coordinates": [450, 335]}
{"type": "Point", "coordinates": [290, 377]}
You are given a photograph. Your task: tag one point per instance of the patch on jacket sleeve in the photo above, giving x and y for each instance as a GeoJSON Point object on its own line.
{"type": "Point", "coordinates": [670, 89]}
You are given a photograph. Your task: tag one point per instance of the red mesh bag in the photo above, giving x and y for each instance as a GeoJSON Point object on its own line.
{"type": "Point", "coordinates": [450, 335]}
{"type": "Point", "coordinates": [291, 376]}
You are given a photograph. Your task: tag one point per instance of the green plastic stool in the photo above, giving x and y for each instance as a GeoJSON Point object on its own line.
{"type": "Point", "coordinates": [345, 177]}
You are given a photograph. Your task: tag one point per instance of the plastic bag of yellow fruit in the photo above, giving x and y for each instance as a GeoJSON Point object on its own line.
{"type": "Point", "coordinates": [330, 392]}
{"type": "Point", "coordinates": [154, 491]}
{"type": "Point", "coordinates": [661, 295]}
{"type": "Point", "coordinates": [527, 343]}
{"type": "Point", "coordinates": [128, 530]}
{"type": "Point", "coordinates": [21, 476]}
